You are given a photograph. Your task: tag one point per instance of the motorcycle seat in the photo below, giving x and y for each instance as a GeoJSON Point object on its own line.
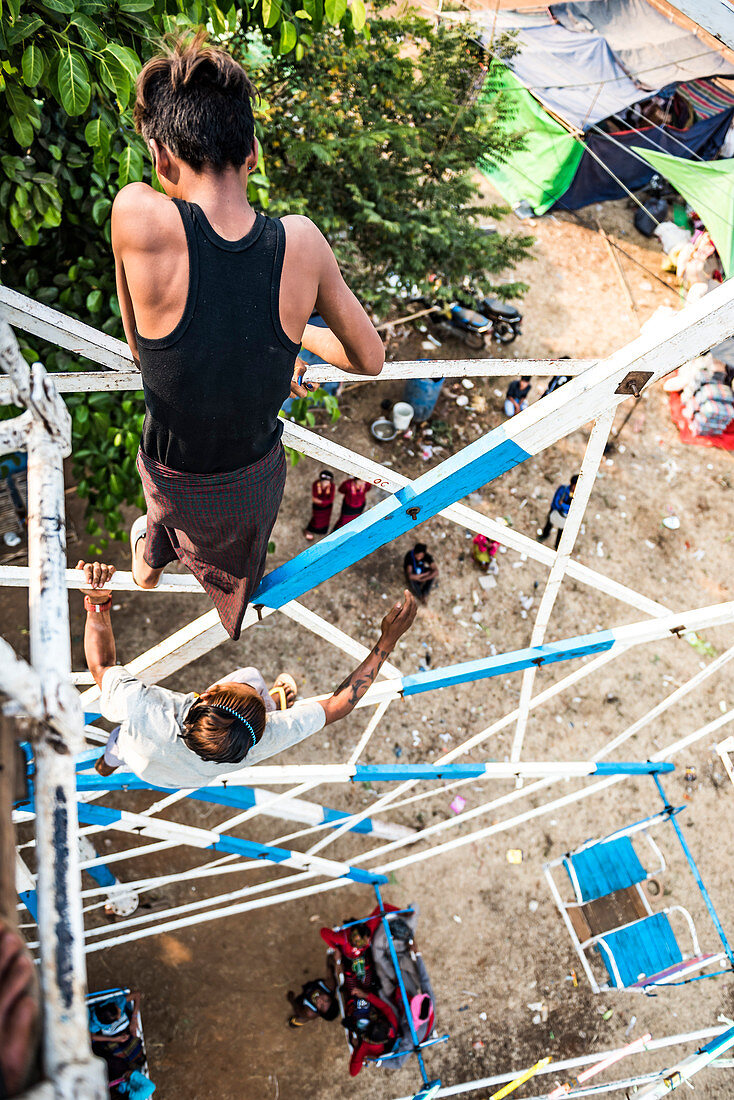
{"type": "Point", "coordinates": [470, 317]}
{"type": "Point", "coordinates": [501, 309]}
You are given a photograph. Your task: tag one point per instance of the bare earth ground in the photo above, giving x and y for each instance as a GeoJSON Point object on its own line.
{"type": "Point", "coordinates": [214, 994]}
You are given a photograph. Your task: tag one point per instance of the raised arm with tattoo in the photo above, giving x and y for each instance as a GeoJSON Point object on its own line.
{"type": "Point", "coordinates": [398, 620]}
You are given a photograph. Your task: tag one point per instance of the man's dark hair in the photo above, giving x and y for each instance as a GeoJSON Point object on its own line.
{"type": "Point", "coordinates": [525, 378]}
{"type": "Point", "coordinates": [213, 733]}
{"type": "Point", "coordinates": [197, 100]}
{"type": "Point", "coordinates": [419, 548]}
{"type": "Point", "coordinates": [108, 1012]}
{"type": "Point", "coordinates": [574, 479]}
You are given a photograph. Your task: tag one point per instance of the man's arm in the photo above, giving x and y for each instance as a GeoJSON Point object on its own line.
{"type": "Point", "coordinates": [99, 641]}
{"type": "Point", "coordinates": [398, 620]}
{"type": "Point", "coordinates": [353, 344]}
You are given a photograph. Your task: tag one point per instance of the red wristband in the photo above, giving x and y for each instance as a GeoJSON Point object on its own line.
{"type": "Point", "coordinates": [98, 607]}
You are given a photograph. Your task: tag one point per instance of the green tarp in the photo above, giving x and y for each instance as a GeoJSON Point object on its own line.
{"type": "Point", "coordinates": [708, 186]}
{"type": "Point", "coordinates": [543, 171]}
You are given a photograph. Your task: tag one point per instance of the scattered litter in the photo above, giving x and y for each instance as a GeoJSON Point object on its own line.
{"type": "Point", "coordinates": [445, 737]}
{"type": "Point", "coordinates": [456, 609]}
{"type": "Point", "coordinates": [537, 1018]}
{"type": "Point", "coordinates": [482, 1015]}
{"type": "Point", "coordinates": [457, 918]}
{"type": "Point", "coordinates": [427, 452]}
{"type": "Point", "coordinates": [314, 918]}
{"type": "Point", "coordinates": [478, 1045]}
{"type": "Point", "coordinates": [600, 549]}
{"type": "Point", "coordinates": [651, 545]}
{"type": "Point", "coordinates": [467, 383]}
{"type": "Point", "coordinates": [497, 393]}
{"type": "Point", "coordinates": [427, 345]}
{"type": "Point", "coordinates": [526, 601]}
{"type": "Point", "coordinates": [572, 978]}
{"type": "Point", "coordinates": [476, 617]}
{"type": "Point", "coordinates": [671, 522]}
{"type": "Point", "coordinates": [722, 706]}
{"type": "Point", "coordinates": [397, 752]}
{"type": "Point", "coordinates": [630, 1025]}
{"type": "Point", "coordinates": [518, 564]}
{"type": "Point", "coordinates": [117, 607]}
{"type": "Point", "coordinates": [462, 400]}
{"type": "Point", "coordinates": [458, 804]}
{"type": "Point", "coordinates": [533, 906]}
{"type": "Point", "coordinates": [487, 582]}
{"type": "Point", "coordinates": [514, 855]}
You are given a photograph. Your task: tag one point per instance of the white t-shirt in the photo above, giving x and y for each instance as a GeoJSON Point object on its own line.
{"type": "Point", "coordinates": [150, 740]}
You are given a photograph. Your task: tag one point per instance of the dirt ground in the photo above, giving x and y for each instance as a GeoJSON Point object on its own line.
{"type": "Point", "coordinates": [214, 994]}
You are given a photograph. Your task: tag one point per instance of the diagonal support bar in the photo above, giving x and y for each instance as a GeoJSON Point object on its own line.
{"type": "Point", "coordinates": [204, 838]}
{"type": "Point", "coordinates": [585, 397]}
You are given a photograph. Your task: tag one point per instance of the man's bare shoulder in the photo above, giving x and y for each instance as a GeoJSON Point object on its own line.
{"type": "Point", "coordinates": [144, 218]}
{"type": "Point", "coordinates": [301, 231]}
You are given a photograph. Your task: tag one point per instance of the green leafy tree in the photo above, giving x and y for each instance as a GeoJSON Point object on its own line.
{"type": "Point", "coordinates": [67, 144]}
{"type": "Point", "coordinates": [374, 137]}
{"type": "Point", "coordinates": [377, 140]}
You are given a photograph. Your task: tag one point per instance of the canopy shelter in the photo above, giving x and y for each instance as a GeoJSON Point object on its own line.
{"type": "Point", "coordinates": [709, 188]}
{"type": "Point", "coordinates": [650, 47]}
{"type": "Point", "coordinates": [577, 100]}
{"type": "Point", "coordinates": [574, 75]}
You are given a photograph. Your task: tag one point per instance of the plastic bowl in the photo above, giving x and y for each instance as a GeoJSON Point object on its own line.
{"type": "Point", "coordinates": [383, 430]}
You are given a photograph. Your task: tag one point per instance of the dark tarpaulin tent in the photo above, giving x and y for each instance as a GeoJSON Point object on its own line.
{"type": "Point", "coordinates": [653, 49]}
{"type": "Point", "coordinates": [563, 82]}
{"type": "Point", "coordinates": [612, 153]}
{"type": "Point", "coordinates": [574, 75]}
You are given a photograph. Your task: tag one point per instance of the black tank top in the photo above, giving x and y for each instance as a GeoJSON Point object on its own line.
{"type": "Point", "coordinates": [214, 385]}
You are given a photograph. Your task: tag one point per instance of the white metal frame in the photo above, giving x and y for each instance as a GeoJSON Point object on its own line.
{"type": "Point", "coordinates": [44, 690]}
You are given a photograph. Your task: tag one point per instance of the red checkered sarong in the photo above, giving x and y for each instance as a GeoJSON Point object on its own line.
{"type": "Point", "coordinates": [218, 525]}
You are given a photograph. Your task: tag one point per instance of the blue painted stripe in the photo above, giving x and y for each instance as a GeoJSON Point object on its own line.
{"type": "Point", "coordinates": [476, 465]}
{"type": "Point", "coordinates": [103, 815]}
{"type": "Point", "coordinates": [101, 875]}
{"type": "Point", "coordinates": [242, 797]}
{"type": "Point", "coordinates": [608, 767]}
{"type": "Point", "coordinates": [388, 773]}
{"type": "Point", "coordinates": [502, 663]}
{"type": "Point", "coordinates": [30, 900]}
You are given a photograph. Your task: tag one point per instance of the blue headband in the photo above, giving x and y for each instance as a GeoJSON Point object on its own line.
{"type": "Point", "coordinates": [221, 706]}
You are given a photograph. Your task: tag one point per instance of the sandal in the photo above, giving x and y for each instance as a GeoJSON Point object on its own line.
{"type": "Point", "coordinates": [284, 691]}
{"type": "Point", "coordinates": [293, 1022]}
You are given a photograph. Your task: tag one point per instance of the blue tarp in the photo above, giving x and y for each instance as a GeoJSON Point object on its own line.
{"type": "Point", "coordinates": [574, 75]}
{"type": "Point", "coordinates": [594, 183]}
{"type": "Point", "coordinates": [653, 49]}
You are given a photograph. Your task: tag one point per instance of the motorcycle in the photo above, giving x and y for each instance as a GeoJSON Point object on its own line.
{"type": "Point", "coordinates": [458, 321]}
{"type": "Point", "coordinates": [505, 319]}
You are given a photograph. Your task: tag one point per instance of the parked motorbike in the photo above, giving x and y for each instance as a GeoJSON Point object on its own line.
{"type": "Point", "coordinates": [505, 319]}
{"type": "Point", "coordinates": [458, 322]}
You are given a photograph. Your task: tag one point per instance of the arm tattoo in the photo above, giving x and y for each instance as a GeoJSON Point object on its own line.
{"type": "Point", "coordinates": [359, 680]}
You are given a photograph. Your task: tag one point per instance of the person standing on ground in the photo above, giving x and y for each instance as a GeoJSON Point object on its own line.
{"type": "Point", "coordinates": [421, 571]}
{"type": "Point", "coordinates": [355, 497]}
{"type": "Point", "coordinates": [322, 502]}
{"type": "Point", "coordinates": [215, 300]}
{"type": "Point", "coordinates": [483, 552]}
{"type": "Point", "coordinates": [516, 398]}
{"type": "Point", "coordinates": [558, 512]}
{"type": "Point", "coordinates": [175, 740]}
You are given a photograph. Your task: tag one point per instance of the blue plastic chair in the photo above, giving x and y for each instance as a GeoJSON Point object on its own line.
{"type": "Point", "coordinates": [603, 868]}
{"type": "Point", "coordinates": [640, 950]}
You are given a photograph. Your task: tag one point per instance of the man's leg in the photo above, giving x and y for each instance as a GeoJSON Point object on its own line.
{"type": "Point", "coordinates": [546, 530]}
{"type": "Point", "coordinates": [144, 575]}
{"type": "Point", "coordinates": [19, 1002]}
{"type": "Point", "coordinates": [559, 532]}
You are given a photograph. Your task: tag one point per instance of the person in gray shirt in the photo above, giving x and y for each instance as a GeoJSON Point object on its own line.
{"type": "Point", "coordinates": [174, 740]}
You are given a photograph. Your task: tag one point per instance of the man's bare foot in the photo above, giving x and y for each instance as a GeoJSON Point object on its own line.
{"type": "Point", "coordinates": [284, 691]}
{"type": "Point", "coordinates": [19, 1012]}
{"type": "Point", "coordinates": [103, 767]}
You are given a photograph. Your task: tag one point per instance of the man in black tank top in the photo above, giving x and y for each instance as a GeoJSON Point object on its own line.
{"type": "Point", "coordinates": [215, 301]}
